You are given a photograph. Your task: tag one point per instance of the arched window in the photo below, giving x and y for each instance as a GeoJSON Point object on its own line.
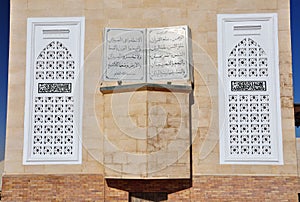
{"type": "Point", "coordinates": [53, 91]}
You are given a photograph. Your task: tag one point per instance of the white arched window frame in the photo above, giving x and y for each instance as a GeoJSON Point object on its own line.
{"type": "Point", "coordinates": [54, 91]}
{"type": "Point", "coordinates": [249, 89]}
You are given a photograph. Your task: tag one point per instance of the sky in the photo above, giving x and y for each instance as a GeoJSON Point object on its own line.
{"type": "Point", "coordinates": [295, 32]}
{"type": "Point", "coordinates": [4, 46]}
{"type": "Point", "coordinates": [4, 35]}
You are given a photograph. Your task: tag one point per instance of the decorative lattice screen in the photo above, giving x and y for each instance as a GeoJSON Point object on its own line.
{"type": "Point", "coordinates": [53, 109]}
{"type": "Point", "coordinates": [250, 130]}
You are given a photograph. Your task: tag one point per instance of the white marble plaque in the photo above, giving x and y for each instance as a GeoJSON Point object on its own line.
{"type": "Point", "coordinates": [168, 57]}
{"type": "Point", "coordinates": [124, 55]}
{"type": "Point", "coordinates": [165, 49]}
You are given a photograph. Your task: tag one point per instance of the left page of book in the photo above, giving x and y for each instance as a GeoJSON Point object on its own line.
{"type": "Point", "coordinates": [124, 56]}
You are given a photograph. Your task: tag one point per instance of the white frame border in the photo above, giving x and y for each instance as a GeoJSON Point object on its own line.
{"type": "Point", "coordinates": [31, 23]}
{"type": "Point", "coordinates": [221, 19]}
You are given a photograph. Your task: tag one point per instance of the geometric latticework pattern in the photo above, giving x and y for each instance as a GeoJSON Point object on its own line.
{"type": "Point", "coordinates": [248, 106]}
{"type": "Point", "coordinates": [53, 105]}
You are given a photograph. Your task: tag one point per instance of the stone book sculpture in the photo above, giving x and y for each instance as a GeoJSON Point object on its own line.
{"type": "Point", "coordinates": [146, 55]}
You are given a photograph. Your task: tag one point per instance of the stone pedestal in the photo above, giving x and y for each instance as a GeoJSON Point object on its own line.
{"type": "Point", "coordinates": [147, 131]}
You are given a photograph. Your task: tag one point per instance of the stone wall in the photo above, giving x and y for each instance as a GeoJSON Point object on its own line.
{"type": "Point", "coordinates": [201, 188]}
{"type": "Point", "coordinates": [201, 17]}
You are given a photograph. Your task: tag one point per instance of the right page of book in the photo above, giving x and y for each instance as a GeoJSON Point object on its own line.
{"type": "Point", "coordinates": [167, 54]}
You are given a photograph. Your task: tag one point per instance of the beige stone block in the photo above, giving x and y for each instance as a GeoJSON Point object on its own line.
{"type": "Point", "coordinates": [286, 80]}
{"type": "Point", "coordinates": [42, 4]}
{"type": "Point", "coordinates": [94, 154]}
{"type": "Point", "coordinates": [269, 4]}
{"type": "Point", "coordinates": [285, 58]}
{"type": "Point", "coordinates": [17, 75]}
{"type": "Point", "coordinates": [153, 145]}
{"type": "Point", "coordinates": [93, 14]}
{"type": "Point", "coordinates": [283, 4]}
{"type": "Point", "coordinates": [211, 26]}
{"type": "Point", "coordinates": [111, 122]}
{"type": "Point", "coordinates": [120, 157]}
{"type": "Point", "coordinates": [132, 3]}
{"type": "Point", "coordinates": [141, 121]}
{"type": "Point", "coordinates": [286, 91]}
{"type": "Point", "coordinates": [92, 143]}
{"type": "Point", "coordinates": [171, 13]}
{"type": "Point", "coordinates": [183, 134]}
{"type": "Point", "coordinates": [151, 3]}
{"type": "Point", "coordinates": [121, 122]}
{"type": "Point", "coordinates": [128, 145]}
{"type": "Point", "coordinates": [245, 5]}
{"type": "Point", "coordinates": [34, 169]}
{"type": "Point", "coordinates": [287, 124]}
{"type": "Point", "coordinates": [13, 167]}
{"type": "Point", "coordinates": [173, 122]}
{"type": "Point", "coordinates": [134, 170]}
{"type": "Point", "coordinates": [212, 37]}
{"type": "Point", "coordinates": [134, 132]}
{"type": "Point", "coordinates": [174, 98]}
{"type": "Point", "coordinates": [138, 23]}
{"type": "Point", "coordinates": [12, 154]}
{"type": "Point", "coordinates": [18, 4]}
{"type": "Point", "coordinates": [141, 146]}
{"type": "Point", "coordinates": [285, 41]}
{"type": "Point", "coordinates": [287, 113]}
{"type": "Point", "coordinates": [62, 169]}
{"type": "Point", "coordinates": [14, 134]}
{"type": "Point", "coordinates": [179, 146]}
{"type": "Point", "coordinates": [225, 5]}
{"type": "Point", "coordinates": [286, 170]}
{"type": "Point", "coordinates": [172, 3]}
{"type": "Point", "coordinates": [287, 102]}
{"type": "Point", "coordinates": [92, 4]}
{"type": "Point", "coordinates": [167, 158]}
{"type": "Point", "coordinates": [113, 146]}
{"type": "Point", "coordinates": [155, 109]}
{"type": "Point", "coordinates": [289, 135]}
{"type": "Point", "coordinates": [113, 4]}
{"type": "Point", "coordinates": [138, 97]}
{"type": "Point", "coordinates": [117, 111]}
{"type": "Point", "coordinates": [113, 171]}
{"type": "Point", "coordinates": [284, 25]}
{"type": "Point", "coordinates": [152, 131]}
{"type": "Point", "coordinates": [285, 69]}
{"type": "Point", "coordinates": [166, 135]}
{"type": "Point", "coordinates": [179, 171]}
{"type": "Point", "coordinates": [204, 101]}
{"type": "Point", "coordinates": [58, 11]}
{"type": "Point", "coordinates": [93, 167]}
{"type": "Point", "coordinates": [172, 110]}
{"type": "Point", "coordinates": [184, 158]}
{"type": "Point", "coordinates": [71, 4]}
{"type": "Point", "coordinates": [157, 97]}
{"type": "Point", "coordinates": [157, 121]}
{"type": "Point", "coordinates": [108, 158]}
{"type": "Point", "coordinates": [135, 13]}
{"type": "Point", "coordinates": [15, 117]}
{"type": "Point", "coordinates": [116, 13]}
{"type": "Point", "coordinates": [205, 117]}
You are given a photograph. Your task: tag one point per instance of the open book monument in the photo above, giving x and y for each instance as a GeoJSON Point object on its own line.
{"type": "Point", "coordinates": [146, 55]}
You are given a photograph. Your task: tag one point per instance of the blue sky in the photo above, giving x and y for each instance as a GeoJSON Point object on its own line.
{"type": "Point", "coordinates": [295, 31]}
{"type": "Point", "coordinates": [4, 21]}
{"type": "Point", "coordinates": [4, 36]}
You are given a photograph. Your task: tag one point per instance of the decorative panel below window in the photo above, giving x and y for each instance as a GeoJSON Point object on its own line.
{"type": "Point", "coordinates": [249, 97]}
{"type": "Point", "coordinates": [54, 85]}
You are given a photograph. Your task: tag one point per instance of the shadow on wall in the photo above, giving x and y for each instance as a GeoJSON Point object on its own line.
{"type": "Point", "coordinates": [151, 190]}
